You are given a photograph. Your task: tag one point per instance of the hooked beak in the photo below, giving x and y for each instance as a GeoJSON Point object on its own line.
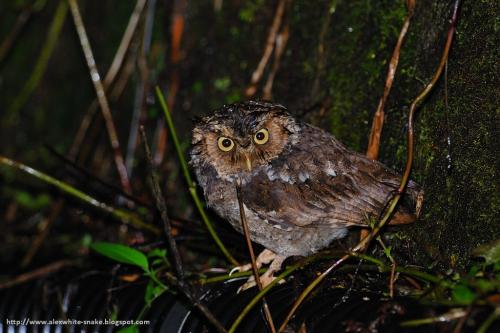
{"type": "Point", "coordinates": [248, 162]}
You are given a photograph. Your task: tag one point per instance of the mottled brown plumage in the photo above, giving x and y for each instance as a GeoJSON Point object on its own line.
{"type": "Point", "coordinates": [301, 187]}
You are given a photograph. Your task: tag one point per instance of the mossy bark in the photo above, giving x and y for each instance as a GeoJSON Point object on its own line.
{"type": "Point", "coordinates": [457, 144]}
{"type": "Point", "coordinates": [457, 135]}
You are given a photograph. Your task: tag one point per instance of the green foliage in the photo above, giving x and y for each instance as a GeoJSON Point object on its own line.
{"type": "Point", "coordinates": [248, 12]}
{"type": "Point", "coordinates": [151, 264]}
{"type": "Point", "coordinates": [222, 83]}
{"type": "Point", "coordinates": [482, 279]}
{"type": "Point", "coordinates": [462, 294]}
{"type": "Point", "coordinates": [122, 254]}
{"type": "Point", "coordinates": [32, 201]}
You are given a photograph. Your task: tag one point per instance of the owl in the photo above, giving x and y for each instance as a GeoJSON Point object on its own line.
{"type": "Point", "coordinates": [301, 188]}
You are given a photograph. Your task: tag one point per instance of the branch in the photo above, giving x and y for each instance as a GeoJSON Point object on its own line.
{"type": "Point", "coordinates": [101, 95]}
{"type": "Point", "coordinates": [122, 215]}
{"type": "Point", "coordinates": [378, 118]}
{"type": "Point", "coordinates": [271, 39]}
{"type": "Point", "coordinates": [162, 209]}
{"type": "Point", "coordinates": [255, 270]}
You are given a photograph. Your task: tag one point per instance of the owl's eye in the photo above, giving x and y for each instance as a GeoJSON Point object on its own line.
{"type": "Point", "coordinates": [225, 144]}
{"type": "Point", "coordinates": [261, 137]}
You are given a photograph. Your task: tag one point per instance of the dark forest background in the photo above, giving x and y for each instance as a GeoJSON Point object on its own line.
{"type": "Point", "coordinates": [202, 55]}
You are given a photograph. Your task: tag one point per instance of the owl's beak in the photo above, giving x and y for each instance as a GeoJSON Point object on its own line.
{"type": "Point", "coordinates": [248, 162]}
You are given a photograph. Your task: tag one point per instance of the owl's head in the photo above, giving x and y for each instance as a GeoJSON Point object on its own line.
{"type": "Point", "coordinates": [240, 138]}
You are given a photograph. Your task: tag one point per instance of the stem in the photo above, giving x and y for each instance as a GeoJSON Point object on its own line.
{"type": "Point", "coordinates": [255, 270]}
{"type": "Point", "coordinates": [162, 209]}
{"type": "Point", "coordinates": [260, 295]}
{"type": "Point", "coordinates": [122, 215]}
{"type": "Point", "coordinates": [101, 96]}
{"type": "Point", "coordinates": [195, 302]}
{"type": "Point", "coordinates": [189, 180]}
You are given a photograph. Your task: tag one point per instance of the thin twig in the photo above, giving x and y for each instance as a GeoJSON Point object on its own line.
{"type": "Point", "coordinates": [196, 302]}
{"type": "Point", "coordinates": [110, 78]}
{"type": "Point", "coordinates": [495, 314]}
{"type": "Point", "coordinates": [392, 278]}
{"type": "Point", "coordinates": [47, 223]}
{"type": "Point", "coordinates": [21, 20]}
{"type": "Point", "coordinates": [260, 295]}
{"type": "Point", "coordinates": [461, 321]}
{"type": "Point", "coordinates": [446, 317]}
{"type": "Point", "coordinates": [268, 50]}
{"type": "Point", "coordinates": [140, 88]}
{"type": "Point", "coordinates": [91, 178]}
{"type": "Point", "coordinates": [308, 290]}
{"type": "Point", "coordinates": [124, 216]}
{"type": "Point", "coordinates": [363, 244]}
{"type": "Point", "coordinates": [125, 42]}
{"type": "Point", "coordinates": [281, 41]}
{"type": "Point", "coordinates": [372, 151]}
{"type": "Point", "coordinates": [255, 270]}
{"type": "Point", "coordinates": [101, 96]}
{"type": "Point", "coordinates": [381, 267]}
{"type": "Point", "coordinates": [38, 273]}
{"type": "Point", "coordinates": [162, 209]}
{"type": "Point", "coordinates": [191, 184]}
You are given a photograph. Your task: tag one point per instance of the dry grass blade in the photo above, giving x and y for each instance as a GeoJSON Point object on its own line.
{"type": "Point", "coordinates": [116, 65]}
{"type": "Point", "coordinates": [37, 273]}
{"type": "Point", "coordinates": [268, 50]}
{"type": "Point", "coordinates": [281, 41]}
{"type": "Point", "coordinates": [122, 215]}
{"type": "Point", "coordinates": [378, 118]}
{"type": "Point", "coordinates": [125, 43]}
{"type": "Point", "coordinates": [101, 96]}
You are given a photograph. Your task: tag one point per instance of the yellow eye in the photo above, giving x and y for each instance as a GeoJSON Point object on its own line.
{"type": "Point", "coordinates": [261, 137]}
{"type": "Point", "coordinates": [225, 144]}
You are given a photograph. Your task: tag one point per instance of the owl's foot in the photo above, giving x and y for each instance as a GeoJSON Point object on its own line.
{"type": "Point", "coordinates": [264, 258]}
{"type": "Point", "coordinates": [268, 276]}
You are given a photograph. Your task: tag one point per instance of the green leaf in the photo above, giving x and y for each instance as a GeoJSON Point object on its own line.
{"type": "Point", "coordinates": [34, 202]}
{"type": "Point", "coordinates": [121, 253]}
{"type": "Point", "coordinates": [462, 294]}
{"type": "Point", "coordinates": [158, 253]}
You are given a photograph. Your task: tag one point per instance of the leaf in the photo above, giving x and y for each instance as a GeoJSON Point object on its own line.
{"type": "Point", "coordinates": [490, 252]}
{"type": "Point", "coordinates": [121, 253]}
{"type": "Point", "coordinates": [462, 294]}
{"type": "Point", "coordinates": [160, 253]}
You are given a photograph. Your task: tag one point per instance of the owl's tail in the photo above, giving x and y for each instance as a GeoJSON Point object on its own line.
{"type": "Point", "coordinates": [410, 205]}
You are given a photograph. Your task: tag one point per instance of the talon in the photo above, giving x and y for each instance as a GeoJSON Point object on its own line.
{"type": "Point", "coordinates": [242, 268]}
{"type": "Point", "coordinates": [268, 276]}
{"type": "Point", "coordinates": [234, 270]}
